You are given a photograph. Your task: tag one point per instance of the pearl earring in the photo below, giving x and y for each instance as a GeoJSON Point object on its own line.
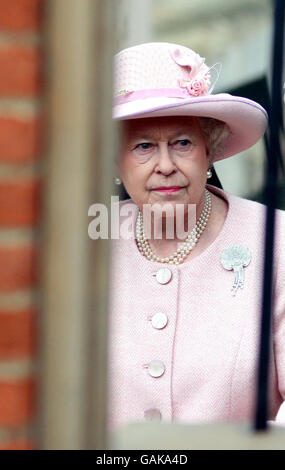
{"type": "Point", "coordinates": [117, 180]}
{"type": "Point", "coordinates": [209, 173]}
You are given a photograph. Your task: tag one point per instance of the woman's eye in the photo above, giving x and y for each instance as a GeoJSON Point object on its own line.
{"type": "Point", "coordinates": [144, 146]}
{"type": "Point", "coordinates": [183, 143]}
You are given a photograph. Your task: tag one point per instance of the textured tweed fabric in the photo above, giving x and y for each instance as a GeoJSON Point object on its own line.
{"type": "Point", "coordinates": [209, 346]}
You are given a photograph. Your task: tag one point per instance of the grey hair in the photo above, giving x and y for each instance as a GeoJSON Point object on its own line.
{"type": "Point", "coordinates": [215, 133]}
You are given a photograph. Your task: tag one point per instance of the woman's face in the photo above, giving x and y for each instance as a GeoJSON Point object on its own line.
{"type": "Point", "coordinates": [164, 152]}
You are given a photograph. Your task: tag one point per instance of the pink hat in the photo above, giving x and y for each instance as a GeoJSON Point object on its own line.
{"type": "Point", "coordinates": [163, 79]}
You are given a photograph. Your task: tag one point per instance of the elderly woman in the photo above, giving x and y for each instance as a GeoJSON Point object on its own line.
{"type": "Point", "coordinates": [185, 312]}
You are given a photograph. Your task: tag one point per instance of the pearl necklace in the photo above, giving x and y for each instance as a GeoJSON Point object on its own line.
{"type": "Point", "coordinates": [189, 243]}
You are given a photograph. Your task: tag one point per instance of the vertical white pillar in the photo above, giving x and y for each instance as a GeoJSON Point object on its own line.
{"type": "Point", "coordinates": [74, 269]}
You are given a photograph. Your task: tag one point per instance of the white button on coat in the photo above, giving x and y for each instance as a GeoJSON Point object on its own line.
{"type": "Point", "coordinates": [163, 275]}
{"type": "Point", "coordinates": [156, 368]}
{"type": "Point", "coordinates": [159, 320]}
{"type": "Point", "coordinates": [152, 414]}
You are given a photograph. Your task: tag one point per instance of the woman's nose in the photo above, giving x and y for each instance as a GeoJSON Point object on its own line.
{"type": "Point", "coordinates": [165, 162]}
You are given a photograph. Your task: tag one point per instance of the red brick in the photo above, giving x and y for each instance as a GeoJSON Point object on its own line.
{"type": "Point", "coordinates": [20, 15]}
{"type": "Point", "coordinates": [19, 71]}
{"type": "Point", "coordinates": [19, 139]}
{"type": "Point", "coordinates": [17, 444]}
{"type": "Point", "coordinates": [17, 267]}
{"type": "Point", "coordinates": [17, 334]}
{"type": "Point", "coordinates": [19, 202]}
{"type": "Point", "coordinates": [17, 402]}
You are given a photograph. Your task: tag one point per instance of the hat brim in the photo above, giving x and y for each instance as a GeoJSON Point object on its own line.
{"type": "Point", "coordinates": [246, 119]}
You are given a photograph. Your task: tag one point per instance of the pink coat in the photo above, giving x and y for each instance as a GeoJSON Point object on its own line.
{"type": "Point", "coordinates": [208, 348]}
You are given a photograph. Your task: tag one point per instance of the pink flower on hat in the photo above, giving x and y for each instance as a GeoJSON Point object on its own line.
{"type": "Point", "coordinates": [198, 81]}
{"type": "Point", "coordinates": [199, 86]}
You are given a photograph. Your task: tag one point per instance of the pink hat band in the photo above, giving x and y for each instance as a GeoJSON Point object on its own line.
{"type": "Point", "coordinates": [128, 96]}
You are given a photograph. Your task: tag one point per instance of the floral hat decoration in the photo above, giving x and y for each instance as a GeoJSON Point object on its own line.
{"type": "Point", "coordinates": [199, 79]}
{"type": "Point", "coordinates": [164, 79]}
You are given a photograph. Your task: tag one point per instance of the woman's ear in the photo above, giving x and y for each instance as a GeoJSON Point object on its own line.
{"type": "Point", "coordinates": [117, 170]}
{"type": "Point", "coordinates": [208, 154]}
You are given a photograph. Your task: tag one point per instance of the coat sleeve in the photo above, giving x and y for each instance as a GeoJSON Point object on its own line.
{"type": "Point", "coordinates": [278, 321]}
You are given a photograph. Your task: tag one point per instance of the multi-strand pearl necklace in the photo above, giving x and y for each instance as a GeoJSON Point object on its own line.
{"type": "Point", "coordinates": [185, 247]}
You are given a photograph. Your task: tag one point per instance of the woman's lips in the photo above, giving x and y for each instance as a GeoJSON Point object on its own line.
{"type": "Point", "coordinates": [171, 189]}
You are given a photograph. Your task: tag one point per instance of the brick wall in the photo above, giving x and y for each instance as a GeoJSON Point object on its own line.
{"type": "Point", "coordinates": [21, 85]}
